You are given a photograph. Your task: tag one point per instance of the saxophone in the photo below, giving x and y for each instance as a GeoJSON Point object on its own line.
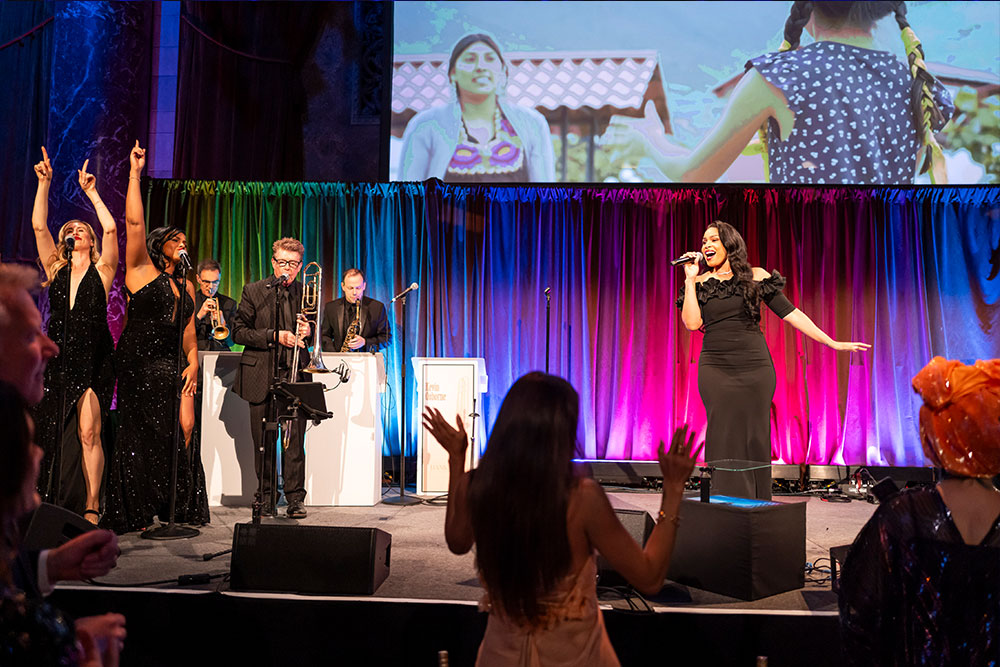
{"type": "Point", "coordinates": [354, 329]}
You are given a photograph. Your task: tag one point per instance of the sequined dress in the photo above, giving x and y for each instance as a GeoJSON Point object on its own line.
{"type": "Point", "coordinates": [33, 633]}
{"type": "Point", "coordinates": [84, 361]}
{"type": "Point", "coordinates": [912, 592]}
{"type": "Point", "coordinates": [140, 470]}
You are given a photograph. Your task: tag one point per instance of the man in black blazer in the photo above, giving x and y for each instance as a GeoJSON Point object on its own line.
{"type": "Point", "coordinates": [209, 277]}
{"type": "Point", "coordinates": [254, 328]}
{"type": "Point", "coordinates": [338, 314]}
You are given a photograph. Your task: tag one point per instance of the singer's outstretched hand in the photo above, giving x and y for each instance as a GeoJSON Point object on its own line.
{"type": "Point", "coordinates": [850, 346]}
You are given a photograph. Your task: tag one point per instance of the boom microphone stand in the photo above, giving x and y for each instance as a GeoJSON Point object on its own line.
{"type": "Point", "coordinates": [172, 531]}
{"type": "Point", "coordinates": [548, 313]}
{"type": "Point", "coordinates": [402, 499]}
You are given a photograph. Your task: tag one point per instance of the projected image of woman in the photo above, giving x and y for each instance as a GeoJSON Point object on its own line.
{"type": "Point", "coordinates": [479, 137]}
{"type": "Point", "coordinates": [835, 111]}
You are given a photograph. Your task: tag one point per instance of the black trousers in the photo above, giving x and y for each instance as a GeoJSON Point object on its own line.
{"type": "Point", "coordinates": [293, 459]}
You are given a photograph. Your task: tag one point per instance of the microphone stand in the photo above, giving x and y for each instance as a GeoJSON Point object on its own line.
{"type": "Point", "coordinates": [548, 313]}
{"type": "Point", "coordinates": [402, 499]}
{"type": "Point", "coordinates": [171, 531]}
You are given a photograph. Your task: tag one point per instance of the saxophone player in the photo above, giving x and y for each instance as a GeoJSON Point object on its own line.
{"type": "Point", "coordinates": [354, 313]}
{"type": "Point", "coordinates": [213, 311]}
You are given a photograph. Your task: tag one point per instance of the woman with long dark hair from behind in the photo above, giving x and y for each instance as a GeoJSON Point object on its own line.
{"type": "Point", "coordinates": [81, 378]}
{"type": "Point", "coordinates": [536, 526]}
{"type": "Point", "coordinates": [139, 477]}
{"type": "Point", "coordinates": [736, 376]}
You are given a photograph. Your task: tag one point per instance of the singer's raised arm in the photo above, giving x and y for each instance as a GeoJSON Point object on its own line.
{"type": "Point", "coordinates": [40, 214]}
{"type": "Point", "coordinates": [139, 268]}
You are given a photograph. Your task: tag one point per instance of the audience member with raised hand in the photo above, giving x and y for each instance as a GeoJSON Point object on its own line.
{"type": "Point", "coordinates": [536, 526]}
{"type": "Point", "coordinates": [33, 632]}
{"type": "Point", "coordinates": [80, 381]}
{"type": "Point", "coordinates": [921, 583]}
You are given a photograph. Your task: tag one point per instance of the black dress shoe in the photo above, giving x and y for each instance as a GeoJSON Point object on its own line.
{"type": "Point", "coordinates": [296, 510]}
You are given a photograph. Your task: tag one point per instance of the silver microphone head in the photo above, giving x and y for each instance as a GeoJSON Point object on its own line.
{"type": "Point", "coordinates": [70, 242]}
{"type": "Point", "coordinates": [548, 290]}
{"type": "Point", "coordinates": [414, 286]}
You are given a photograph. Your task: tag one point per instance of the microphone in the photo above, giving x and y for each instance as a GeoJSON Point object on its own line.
{"type": "Point", "coordinates": [412, 287]}
{"type": "Point", "coordinates": [185, 258]}
{"type": "Point", "coordinates": [70, 243]}
{"type": "Point", "coordinates": [277, 281]}
{"type": "Point", "coordinates": [687, 259]}
{"type": "Point", "coordinates": [548, 290]}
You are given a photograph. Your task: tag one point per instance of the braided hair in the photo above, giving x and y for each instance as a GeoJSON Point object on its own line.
{"type": "Point", "coordinates": [926, 112]}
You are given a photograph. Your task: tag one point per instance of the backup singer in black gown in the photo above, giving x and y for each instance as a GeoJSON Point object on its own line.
{"type": "Point", "coordinates": [81, 378]}
{"type": "Point", "coordinates": [140, 472]}
{"type": "Point", "coordinates": [736, 377]}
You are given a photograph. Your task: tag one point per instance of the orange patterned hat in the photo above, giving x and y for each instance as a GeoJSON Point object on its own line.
{"type": "Point", "coordinates": [960, 417]}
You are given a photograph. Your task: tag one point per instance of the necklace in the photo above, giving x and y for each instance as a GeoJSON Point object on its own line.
{"type": "Point", "coordinates": [724, 273]}
{"type": "Point", "coordinates": [483, 148]}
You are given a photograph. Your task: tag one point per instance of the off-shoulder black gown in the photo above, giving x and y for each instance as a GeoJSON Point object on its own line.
{"type": "Point", "coordinates": [139, 474]}
{"type": "Point", "coordinates": [736, 381]}
{"type": "Point", "coordinates": [84, 362]}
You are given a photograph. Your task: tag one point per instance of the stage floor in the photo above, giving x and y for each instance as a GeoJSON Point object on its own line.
{"type": "Point", "coordinates": [423, 569]}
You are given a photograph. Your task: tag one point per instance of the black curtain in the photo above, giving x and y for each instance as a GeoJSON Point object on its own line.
{"type": "Point", "coordinates": [25, 70]}
{"type": "Point", "coordinates": [240, 98]}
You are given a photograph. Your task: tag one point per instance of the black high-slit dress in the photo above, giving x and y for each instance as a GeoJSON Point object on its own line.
{"type": "Point", "coordinates": [736, 381]}
{"type": "Point", "coordinates": [84, 362]}
{"type": "Point", "coordinates": [139, 473]}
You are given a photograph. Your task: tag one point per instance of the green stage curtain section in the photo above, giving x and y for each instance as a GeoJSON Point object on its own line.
{"type": "Point", "coordinates": [914, 271]}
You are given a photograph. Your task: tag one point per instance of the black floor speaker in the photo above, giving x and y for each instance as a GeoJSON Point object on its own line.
{"type": "Point", "coordinates": [639, 525]}
{"type": "Point", "coordinates": [315, 560]}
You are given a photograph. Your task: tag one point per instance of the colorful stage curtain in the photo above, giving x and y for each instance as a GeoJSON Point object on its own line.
{"type": "Point", "coordinates": [914, 271]}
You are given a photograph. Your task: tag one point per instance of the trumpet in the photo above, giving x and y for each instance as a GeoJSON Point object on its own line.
{"type": "Point", "coordinates": [312, 297]}
{"type": "Point", "coordinates": [219, 329]}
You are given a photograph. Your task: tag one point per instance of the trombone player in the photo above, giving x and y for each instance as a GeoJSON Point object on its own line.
{"type": "Point", "coordinates": [213, 311]}
{"type": "Point", "coordinates": [254, 328]}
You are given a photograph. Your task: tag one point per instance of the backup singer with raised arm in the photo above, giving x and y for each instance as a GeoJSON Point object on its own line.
{"type": "Point", "coordinates": [159, 300]}
{"type": "Point", "coordinates": [254, 329]}
{"type": "Point", "coordinates": [736, 376]}
{"type": "Point", "coordinates": [371, 331]}
{"type": "Point", "coordinates": [81, 378]}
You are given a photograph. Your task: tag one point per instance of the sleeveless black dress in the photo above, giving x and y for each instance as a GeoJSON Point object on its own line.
{"type": "Point", "coordinates": [139, 474]}
{"type": "Point", "coordinates": [736, 381]}
{"type": "Point", "coordinates": [84, 362]}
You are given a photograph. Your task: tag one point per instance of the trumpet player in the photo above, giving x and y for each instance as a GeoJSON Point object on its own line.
{"type": "Point", "coordinates": [258, 329]}
{"type": "Point", "coordinates": [354, 322]}
{"type": "Point", "coordinates": [214, 311]}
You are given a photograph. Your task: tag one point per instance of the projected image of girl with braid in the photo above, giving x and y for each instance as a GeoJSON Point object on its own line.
{"type": "Point", "coordinates": [833, 111]}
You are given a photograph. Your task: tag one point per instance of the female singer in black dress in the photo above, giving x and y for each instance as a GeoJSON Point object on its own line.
{"type": "Point", "coordinates": [79, 381]}
{"type": "Point", "coordinates": [139, 476]}
{"type": "Point", "coordinates": [736, 376]}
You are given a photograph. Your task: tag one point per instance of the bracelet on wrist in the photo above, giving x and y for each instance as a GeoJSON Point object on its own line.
{"type": "Point", "coordinates": [675, 519]}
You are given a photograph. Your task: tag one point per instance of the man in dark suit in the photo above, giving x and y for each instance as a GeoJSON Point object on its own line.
{"type": "Point", "coordinates": [256, 328]}
{"type": "Point", "coordinates": [209, 277]}
{"type": "Point", "coordinates": [373, 330]}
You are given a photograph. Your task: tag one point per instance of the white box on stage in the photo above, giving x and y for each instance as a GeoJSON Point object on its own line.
{"type": "Point", "coordinates": [226, 443]}
{"type": "Point", "coordinates": [344, 453]}
{"type": "Point", "coordinates": [453, 386]}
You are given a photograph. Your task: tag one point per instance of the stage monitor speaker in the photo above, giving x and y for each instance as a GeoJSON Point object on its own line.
{"type": "Point", "coordinates": [639, 525]}
{"type": "Point", "coordinates": [52, 526]}
{"type": "Point", "coordinates": [315, 560]}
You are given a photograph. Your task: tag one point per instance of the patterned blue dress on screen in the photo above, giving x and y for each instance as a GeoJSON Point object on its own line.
{"type": "Point", "coordinates": [853, 118]}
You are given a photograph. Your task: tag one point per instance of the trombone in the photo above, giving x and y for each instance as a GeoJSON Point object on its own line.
{"type": "Point", "coordinates": [219, 329]}
{"type": "Point", "coordinates": [312, 298]}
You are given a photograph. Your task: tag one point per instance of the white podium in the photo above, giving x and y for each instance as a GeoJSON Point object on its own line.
{"type": "Point", "coordinates": [226, 443]}
{"type": "Point", "coordinates": [343, 454]}
{"type": "Point", "coordinates": [453, 386]}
